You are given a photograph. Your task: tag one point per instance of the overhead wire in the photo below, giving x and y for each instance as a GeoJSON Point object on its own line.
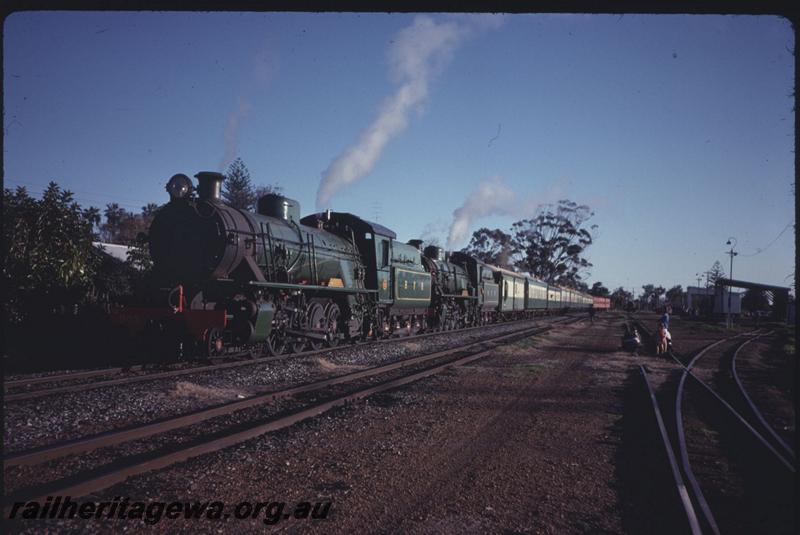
{"type": "Point", "coordinates": [761, 250]}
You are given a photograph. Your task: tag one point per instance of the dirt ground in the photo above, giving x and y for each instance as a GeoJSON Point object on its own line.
{"type": "Point", "coordinates": [746, 489]}
{"type": "Point", "coordinates": [552, 434]}
{"type": "Point", "coordinates": [526, 440]}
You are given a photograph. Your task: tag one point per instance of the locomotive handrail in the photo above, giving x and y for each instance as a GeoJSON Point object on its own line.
{"type": "Point", "coordinates": [239, 231]}
{"type": "Point", "coordinates": [268, 260]}
{"type": "Point", "coordinates": [290, 286]}
{"type": "Point", "coordinates": [312, 253]}
{"type": "Point", "coordinates": [299, 254]}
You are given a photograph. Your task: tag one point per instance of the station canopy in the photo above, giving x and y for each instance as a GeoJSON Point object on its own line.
{"type": "Point", "coordinates": [780, 294]}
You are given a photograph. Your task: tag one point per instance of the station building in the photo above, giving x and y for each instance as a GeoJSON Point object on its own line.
{"type": "Point", "coordinates": [116, 251]}
{"type": "Point", "coordinates": [713, 300]}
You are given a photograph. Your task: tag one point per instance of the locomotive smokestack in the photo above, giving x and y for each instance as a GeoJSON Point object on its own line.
{"type": "Point", "coordinates": [209, 185]}
{"type": "Point", "coordinates": [415, 243]}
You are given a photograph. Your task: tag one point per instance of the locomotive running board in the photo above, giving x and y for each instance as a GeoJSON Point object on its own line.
{"type": "Point", "coordinates": [312, 287]}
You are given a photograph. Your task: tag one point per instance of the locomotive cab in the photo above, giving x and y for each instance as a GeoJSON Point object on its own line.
{"type": "Point", "coordinates": [393, 269]}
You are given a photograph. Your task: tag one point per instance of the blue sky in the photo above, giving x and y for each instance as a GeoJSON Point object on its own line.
{"type": "Point", "coordinates": [676, 129]}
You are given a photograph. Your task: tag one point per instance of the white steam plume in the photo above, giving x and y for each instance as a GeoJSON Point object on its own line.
{"type": "Point", "coordinates": [418, 52]}
{"type": "Point", "coordinates": [231, 135]}
{"type": "Point", "coordinates": [491, 197]}
{"type": "Point", "coordinates": [265, 65]}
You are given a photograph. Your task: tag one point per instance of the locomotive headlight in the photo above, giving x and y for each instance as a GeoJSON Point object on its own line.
{"type": "Point", "coordinates": [179, 186]}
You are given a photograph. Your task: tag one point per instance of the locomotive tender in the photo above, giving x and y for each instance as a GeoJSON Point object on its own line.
{"type": "Point", "coordinates": [232, 278]}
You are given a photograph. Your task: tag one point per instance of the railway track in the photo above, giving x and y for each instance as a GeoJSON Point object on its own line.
{"type": "Point", "coordinates": [680, 485]}
{"type": "Point", "coordinates": [351, 387]}
{"type": "Point", "coordinates": [26, 393]}
{"type": "Point", "coordinates": [697, 508]}
{"type": "Point", "coordinates": [754, 410]}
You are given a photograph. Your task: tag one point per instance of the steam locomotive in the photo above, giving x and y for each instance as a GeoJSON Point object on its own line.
{"type": "Point", "coordinates": [271, 280]}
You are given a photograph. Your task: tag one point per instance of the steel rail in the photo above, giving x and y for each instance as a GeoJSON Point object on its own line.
{"type": "Point", "coordinates": [226, 365]}
{"type": "Point", "coordinates": [684, 451]}
{"type": "Point", "coordinates": [686, 501]}
{"type": "Point", "coordinates": [681, 438]}
{"type": "Point", "coordinates": [687, 371]}
{"type": "Point", "coordinates": [54, 378]}
{"type": "Point", "coordinates": [20, 383]}
{"type": "Point", "coordinates": [110, 438]}
{"type": "Point", "coordinates": [65, 377]}
{"type": "Point", "coordinates": [787, 463]}
{"type": "Point", "coordinates": [71, 487]}
{"type": "Point", "coordinates": [788, 449]}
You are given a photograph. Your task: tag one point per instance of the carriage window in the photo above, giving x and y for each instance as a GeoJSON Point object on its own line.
{"type": "Point", "coordinates": [505, 290]}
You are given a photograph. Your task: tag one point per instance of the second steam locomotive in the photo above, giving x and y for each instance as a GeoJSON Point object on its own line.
{"type": "Point", "coordinates": [230, 278]}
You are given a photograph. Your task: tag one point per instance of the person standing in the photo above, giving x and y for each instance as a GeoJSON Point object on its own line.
{"type": "Point", "coordinates": [661, 339]}
{"type": "Point", "coordinates": [665, 317]}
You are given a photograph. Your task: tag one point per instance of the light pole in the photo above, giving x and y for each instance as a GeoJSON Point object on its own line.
{"type": "Point", "coordinates": [695, 307]}
{"type": "Point", "coordinates": [730, 277]}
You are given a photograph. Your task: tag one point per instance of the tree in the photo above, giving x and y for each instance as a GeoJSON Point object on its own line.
{"type": "Point", "coordinates": [599, 290]}
{"type": "Point", "coordinates": [648, 291]}
{"type": "Point", "coordinates": [755, 300]}
{"type": "Point", "coordinates": [551, 244]}
{"type": "Point", "coordinates": [675, 295]}
{"type": "Point", "coordinates": [619, 297]}
{"type": "Point", "coordinates": [492, 246]}
{"type": "Point", "coordinates": [139, 252]}
{"type": "Point", "coordinates": [123, 227]}
{"type": "Point", "coordinates": [651, 295]}
{"type": "Point", "coordinates": [47, 246]}
{"type": "Point", "coordinates": [715, 273]}
{"type": "Point", "coordinates": [658, 291]}
{"type": "Point", "coordinates": [149, 211]}
{"type": "Point", "coordinates": [237, 188]}
{"type": "Point", "coordinates": [581, 286]}
{"type": "Point", "coordinates": [92, 215]}
{"type": "Point", "coordinates": [115, 215]}
{"type": "Point", "coordinates": [113, 281]}
{"type": "Point", "coordinates": [265, 189]}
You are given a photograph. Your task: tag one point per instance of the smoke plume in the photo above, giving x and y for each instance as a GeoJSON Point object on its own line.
{"type": "Point", "coordinates": [491, 197]}
{"type": "Point", "coordinates": [416, 55]}
{"type": "Point", "coordinates": [231, 135]}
